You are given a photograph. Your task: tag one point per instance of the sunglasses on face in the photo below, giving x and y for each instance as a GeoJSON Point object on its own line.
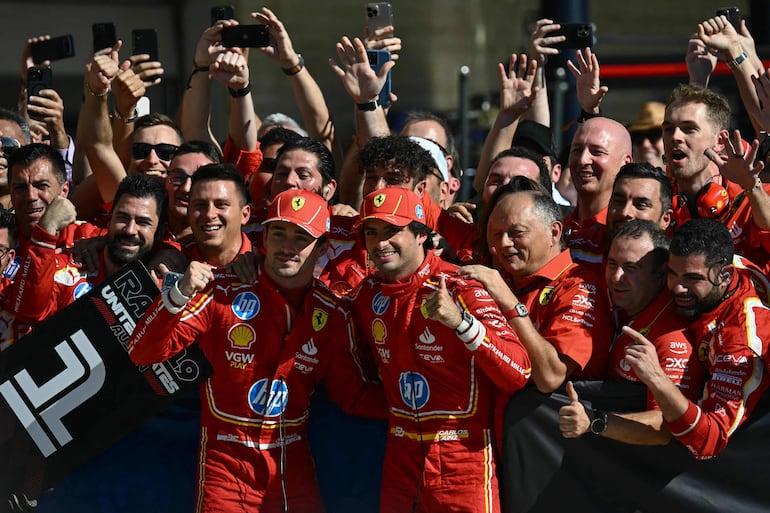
{"type": "Point", "coordinates": [653, 135]}
{"type": "Point", "coordinates": [164, 151]}
{"type": "Point", "coordinates": [178, 178]}
{"type": "Point", "coordinates": [8, 145]}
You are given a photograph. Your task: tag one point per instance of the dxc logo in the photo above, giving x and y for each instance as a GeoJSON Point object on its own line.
{"type": "Point", "coordinates": [57, 397]}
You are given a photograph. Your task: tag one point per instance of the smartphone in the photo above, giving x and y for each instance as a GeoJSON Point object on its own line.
{"type": "Point", "coordinates": [579, 35]}
{"type": "Point", "coordinates": [38, 78]}
{"type": "Point", "coordinates": [61, 47]}
{"type": "Point", "coordinates": [103, 36]}
{"type": "Point", "coordinates": [145, 41]}
{"type": "Point", "coordinates": [378, 15]}
{"type": "Point", "coordinates": [222, 12]}
{"type": "Point", "coordinates": [733, 15]}
{"type": "Point", "coordinates": [376, 59]}
{"type": "Point", "coordinates": [169, 279]}
{"type": "Point", "coordinates": [246, 36]}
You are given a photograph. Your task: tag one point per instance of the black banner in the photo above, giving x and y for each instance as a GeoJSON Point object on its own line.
{"type": "Point", "coordinates": [68, 390]}
{"type": "Point", "coordinates": [544, 472]}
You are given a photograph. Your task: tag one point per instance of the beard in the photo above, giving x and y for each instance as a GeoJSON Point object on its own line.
{"type": "Point", "coordinates": [122, 256]}
{"type": "Point", "coordinates": [701, 306]}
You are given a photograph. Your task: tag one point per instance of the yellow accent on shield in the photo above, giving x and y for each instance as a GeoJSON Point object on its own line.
{"type": "Point", "coordinates": [545, 295]}
{"type": "Point", "coordinates": [297, 203]}
{"type": "Point", "coordinates": [319, 319]}
{"type": "Point", "coordinates": [379, 200]}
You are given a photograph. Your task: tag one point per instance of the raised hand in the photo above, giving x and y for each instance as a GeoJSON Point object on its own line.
{"type": "Point", "coordinates": [590, 92]}
{"type": "Point", "coordinates": [358, 78]}
{"type": "Point", "coordinates": [573, 418]}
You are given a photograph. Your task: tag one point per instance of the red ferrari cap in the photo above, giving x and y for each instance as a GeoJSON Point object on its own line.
{"type": "Point", "coordinates": [395, 205]}
{"type": "Point", "coordinates": [306, 209]}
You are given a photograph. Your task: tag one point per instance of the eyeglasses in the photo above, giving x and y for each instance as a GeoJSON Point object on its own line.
{"type": "Point", "coordinates": [163, 151]}
{"type": "Point", "coordinates": [653, 135]}
{"type": "Point", "coordinates": [178, 178]}
{"type": "Point", "coordinates": [9, 145]}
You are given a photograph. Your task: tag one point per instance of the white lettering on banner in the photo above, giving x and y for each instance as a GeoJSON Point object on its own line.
{"type": "Point", "coordinates": [58, 392]}
{"type": "Point", "coordinates": [118, 309]}
{"type": "Point", "coordinates": [165, 377]}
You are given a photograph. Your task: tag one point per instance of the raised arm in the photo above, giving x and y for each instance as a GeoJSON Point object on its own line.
{"type": "Point", "coordinates": [539, 49]}
{"type": "Point", "coordinates": [307, 93]}
{"type": "Point", "coordinates": [588, 86]}
{"type": "Point", "coordinates": [231, 69]}
{"type": "Point", "coordinates": [516, 96]}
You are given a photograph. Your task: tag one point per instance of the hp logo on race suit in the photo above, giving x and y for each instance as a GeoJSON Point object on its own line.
{"type": "Point", "coordinates": [415, 390]}
{"type": "Point", "coordinates": [380, 303]}
{"type": "Point", "coordinates": [246, 305]}
{"type": "Point", "coordinates": [268, 398]}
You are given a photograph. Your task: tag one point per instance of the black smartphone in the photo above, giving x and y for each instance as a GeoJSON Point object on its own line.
{"type": "Point", "coordinates": [376, 59]}
{"type": "Point", "coordinates": [38, 78]}
{"type": "Point", "coordinates": [61, 47]}
{"type": "Point", "coordinates": [145, 41]}
{"type": "Point", "coordinates": [378, 15]}
{"type": "Point", "coordinates": [246, 36]}
{"type": "Point", "coordinates": [579, 35]}
{"type": "Point", "coordinates": [733, 15]}
{"type": "Point", "coordinates": [103, 36]}
{"type": "Point", "coordinates": [222, 12]}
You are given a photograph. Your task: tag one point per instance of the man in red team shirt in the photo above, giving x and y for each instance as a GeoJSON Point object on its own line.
{"type": "Point", "coordinates": [442, 348]}
{"type": "Point", "coordinates": [730, 323]}
{"type": "Point", "coordinates": [636, 282]}
{"type": "Point", "coordinates": [270, 342]}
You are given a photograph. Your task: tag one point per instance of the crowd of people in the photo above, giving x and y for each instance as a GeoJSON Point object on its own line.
{"type": "Point", "coordinates": [643, 257]}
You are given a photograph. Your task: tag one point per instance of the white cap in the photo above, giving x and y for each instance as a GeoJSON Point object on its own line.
{"type": "Point", "coordinates": [435, 152]}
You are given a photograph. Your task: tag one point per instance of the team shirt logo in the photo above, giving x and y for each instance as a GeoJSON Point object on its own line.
{"type": "Point", "coordinates": [319, 319]}
{"type": "Point", "coordinates": [297, 203]}
{"type": "Point", "coordinates": [270, 402]}
{"type": "Point", "coordinates": [246, 305]}
{"type": "Point", "coordinates": [241, 336]}
{"type": "Point", "coordinates": [82, 289]}
{"type": "Point", "coordinates": [380, 303]}
{"type": "Point", "coordinates": [545, 295]}
{"type": "Point", "coordinates": [379, 331]}
{"type": "Point", "coordinates": [415, 391]}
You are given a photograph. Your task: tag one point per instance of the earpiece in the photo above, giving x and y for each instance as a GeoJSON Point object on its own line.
{"type": "Point", "coordinates": [326, 191]}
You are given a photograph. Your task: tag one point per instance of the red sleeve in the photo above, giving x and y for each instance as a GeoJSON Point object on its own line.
{"type": "Point", "coordinates": [44, 279]}
{"type": "Point", "coordinates": [680, 363]}
{"type": "Point", "coordinates": [166, 327]}
{"type": "Point", "coordinates": [497, 349]}
{"type": "Point", "coordinates": [737, 381]}
{"type": "Point", "coordinates": [246, 161]}
{"type": "Point", "coordinates": [346, 379]}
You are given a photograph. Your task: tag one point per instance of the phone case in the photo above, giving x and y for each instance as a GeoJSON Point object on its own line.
{"type": "Point", "coordinates": [145, 41]}
{"type": "Point", "coordinates": [103, 36]}
{"type": "Point", "coordinates": [222, 12]}
{"type": "Point", "coordinates": [579, 35]}
{"type": "Point", "coordinates": [54, 49]}
{"type": "Point", "coordinates": [376, 59]}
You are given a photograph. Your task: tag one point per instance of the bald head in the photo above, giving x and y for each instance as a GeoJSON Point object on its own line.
{"type": "Point", "coordinates": [601, 146]}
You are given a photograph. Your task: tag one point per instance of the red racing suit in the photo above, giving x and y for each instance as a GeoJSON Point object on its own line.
{"type": "Point", "coordinates": [731, 345]}
{"type": "Point", "coordinates": [439, 388]}
{"type": "Point", "coordinates": [267, 358]}
{"type": "Point", "coordinates": [667, 331]}
{"type": "Point", "coordinates": [587, 241]}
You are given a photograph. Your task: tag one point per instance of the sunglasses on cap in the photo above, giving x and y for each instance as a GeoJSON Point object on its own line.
{"type": "Point", "coordinates": [9, 145]}
{"type": "Point", "coordinates": [142, 150]}
{"type": "Point", "coordinates": [178, 178]}
{"type": "Point", "coordinates": [653, 135]}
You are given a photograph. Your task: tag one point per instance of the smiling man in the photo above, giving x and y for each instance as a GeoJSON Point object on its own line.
{"type": "Point", "coordinates": [730, 325]}
{"type": "Point", "coordinates": [48, 280]}
{"type": "Point", "coordinates": [599, 149]}
{"type": "Point", "coordinates": [270, 342]}
{"type": "Point", "coordinates": [443, 351]}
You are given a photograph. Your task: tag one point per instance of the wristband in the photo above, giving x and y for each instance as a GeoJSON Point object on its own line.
{"type": "Point", "coordinates": [296, 68]}
{"type": "Point", "coordinates": [734, 63]}
{"type": "Point", "coordinates": [587, 115]}
{"type": "Point", "coordinates": [368, 106]}
{"type": "Point", "coordinates": [196, 69]}
{"type": "Point", "coordinates": [238, 93]}
{"type": "Point", "coordinates": [129, 119]}
{"type": "Point", "coordinates": [98, 95]}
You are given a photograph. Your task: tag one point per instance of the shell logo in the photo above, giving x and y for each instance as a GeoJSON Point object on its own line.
{"type": "Point", "coordinates": [379, 331]}
{"type": "Point", "coordinates": [241, 336]}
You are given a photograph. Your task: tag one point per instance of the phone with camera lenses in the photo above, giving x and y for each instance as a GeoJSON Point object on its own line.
{"type": "Point", "coordinates": [378, 15]}
{"type": "Point", "coordinates": [733, 15]}
{"type": "Point", "coordinates": [246, 36]}
{"type": "Point", "coordinates": [38, 78]}
{"type": "Point", "coordinates": [578, 35]}
{"type": "Point", "coordinates": [103, 36]}
{"type": "Point", "coordinates": [222, 12]}
{"type": "Point", "coordinates": [54, 49]}
{"type": "Point", "coordinates": [145, 41]}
